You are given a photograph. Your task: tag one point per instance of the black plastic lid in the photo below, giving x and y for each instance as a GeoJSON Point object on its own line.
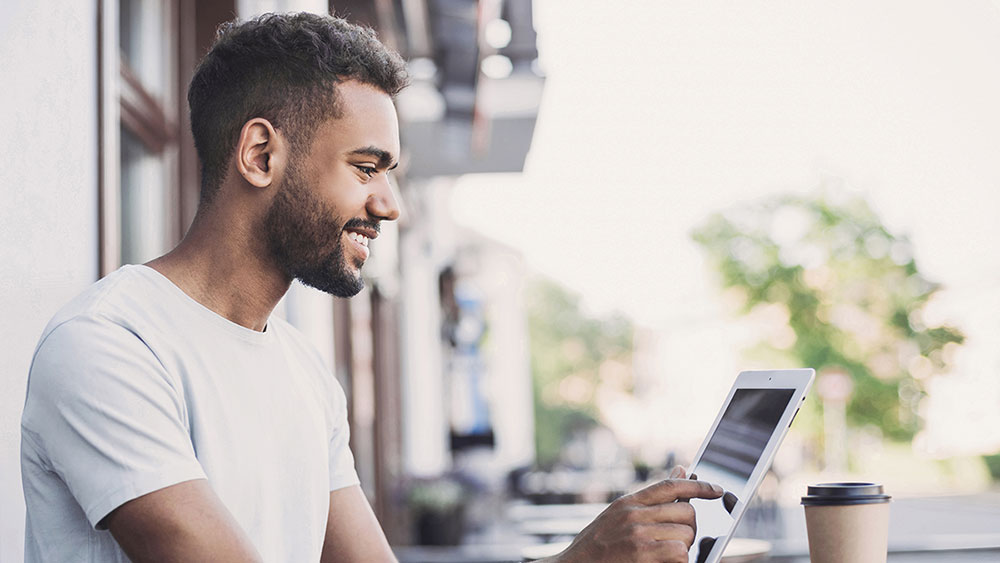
{"type": "Point", "coordinates": [839, 494]}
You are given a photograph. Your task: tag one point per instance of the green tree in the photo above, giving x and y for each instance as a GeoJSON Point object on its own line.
{"type": "Point", "coordinates": [568, 348]}
{"type": "Point", "coordinates": [852, 294]}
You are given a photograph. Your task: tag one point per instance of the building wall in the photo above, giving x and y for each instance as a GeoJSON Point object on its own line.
{"type": "Point", "coordinates": [48, 186]}
{"type": "Point", "coordinates": [502, 278]}
{"type": "Point", "coordinates": [249, 8]}
{"type": "Point", "coordinates": [425, 429]}
{"type": "Point", "coordinates": [430, 242]}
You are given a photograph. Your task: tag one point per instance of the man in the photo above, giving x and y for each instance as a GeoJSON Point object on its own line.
{"type": "Point", "coordinates": [169, 417]}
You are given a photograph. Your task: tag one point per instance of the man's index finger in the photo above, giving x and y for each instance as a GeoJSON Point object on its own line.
{"type": "Point", "coordinates": [671, 490]}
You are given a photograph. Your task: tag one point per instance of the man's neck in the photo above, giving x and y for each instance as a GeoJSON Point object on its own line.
{"type": "Point", "coordinates": [222, 267]}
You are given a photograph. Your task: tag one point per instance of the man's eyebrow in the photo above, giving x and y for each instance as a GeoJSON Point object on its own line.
{"type": "Point", "coordinates": [384, 157]}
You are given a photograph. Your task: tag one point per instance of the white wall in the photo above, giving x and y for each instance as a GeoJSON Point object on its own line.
{"type": "Point", "coordinates": [48, 201]}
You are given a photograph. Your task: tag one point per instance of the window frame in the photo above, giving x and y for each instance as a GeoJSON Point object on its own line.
{"type": "Point", "coordinates": [124, 101]}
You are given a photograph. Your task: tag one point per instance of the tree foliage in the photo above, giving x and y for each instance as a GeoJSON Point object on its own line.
{"type": "Point", "coordinates": [852, 294]}
{"type": "Point", "coordinates": [568, 350]}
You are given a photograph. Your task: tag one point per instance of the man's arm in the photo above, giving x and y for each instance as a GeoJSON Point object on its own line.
{"type": "Point", "coordinates": [353, 534]}
{"type": "Point", "coordinates": [186, 522]}
{"type": "Point", "coordinates": [103, 412]}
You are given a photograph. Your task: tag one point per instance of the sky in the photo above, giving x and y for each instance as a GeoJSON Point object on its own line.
{"type": "Point", "coordinates": [656, 114]}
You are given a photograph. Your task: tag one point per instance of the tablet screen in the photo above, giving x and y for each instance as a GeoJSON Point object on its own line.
{"type": "Point", "coordinates": [729, 459]}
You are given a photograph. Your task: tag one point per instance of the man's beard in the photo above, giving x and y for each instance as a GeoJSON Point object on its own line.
{"type": "Point", "coordinates": [305, 239]}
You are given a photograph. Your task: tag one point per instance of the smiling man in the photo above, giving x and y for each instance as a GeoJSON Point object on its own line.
{"type": "Point", "coordinates": [170, 416]}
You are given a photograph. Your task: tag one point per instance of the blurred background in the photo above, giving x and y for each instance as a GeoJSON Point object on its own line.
{"type": "Point", "coordinates": [609, 209]}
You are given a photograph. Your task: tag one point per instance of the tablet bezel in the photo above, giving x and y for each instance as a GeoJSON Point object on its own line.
{"type": "Point", "coordinates": [797, 379]}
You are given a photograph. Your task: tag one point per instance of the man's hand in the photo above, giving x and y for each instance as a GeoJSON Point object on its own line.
{"type": "Point", "coordinates": [651, 525]}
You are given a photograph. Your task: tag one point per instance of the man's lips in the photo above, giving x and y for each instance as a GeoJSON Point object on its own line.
{"type": "Point", "coordinates": [365, 232]}
{"type": "Point", "coordinates": [369, 229]}
{"type": "Point", "coordinates": [359, 232]}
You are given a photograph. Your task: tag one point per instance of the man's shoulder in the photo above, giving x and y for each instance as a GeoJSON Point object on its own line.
{"type": "Point", "coordinates": [106, 298]}
{"type": "Point", "coordinates": [93, 328]}
{"type": "Point", "coordinates": [85, 356]}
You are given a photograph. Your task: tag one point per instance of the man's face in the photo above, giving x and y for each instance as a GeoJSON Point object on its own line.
{"type": "Point", "coordinates": [333, 196]}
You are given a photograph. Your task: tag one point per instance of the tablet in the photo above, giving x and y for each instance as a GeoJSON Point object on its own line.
{"type": "Point", "coordinates": [739, 450]}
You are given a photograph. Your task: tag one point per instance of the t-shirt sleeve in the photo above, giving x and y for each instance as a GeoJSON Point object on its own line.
{"type": "Point", "coordinates": [342, 471]}
{"type": "Point", "coordinates": [106, 417]}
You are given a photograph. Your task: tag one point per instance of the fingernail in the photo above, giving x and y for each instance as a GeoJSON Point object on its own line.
{"type": "Point", "coordinates": [675, 472]}
{"type": "Point", "coordinates": [717, 488]}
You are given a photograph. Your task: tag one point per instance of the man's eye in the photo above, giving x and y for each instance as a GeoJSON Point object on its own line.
{"type": "Point", "coordinates": [367, 170]}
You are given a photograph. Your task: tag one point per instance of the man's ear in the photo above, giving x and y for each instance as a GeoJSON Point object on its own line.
{"type": "Point", "coordinates": [260, 153]}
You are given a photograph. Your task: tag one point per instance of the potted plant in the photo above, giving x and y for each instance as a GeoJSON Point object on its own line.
{"type": "Point", "coordinates": [438, 506]}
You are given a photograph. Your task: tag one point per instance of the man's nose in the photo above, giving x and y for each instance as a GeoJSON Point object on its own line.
{"type": "Point", "coordinates": [382, 201]}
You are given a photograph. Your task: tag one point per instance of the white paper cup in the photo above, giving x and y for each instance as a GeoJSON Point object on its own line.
{"type": "Point", "coordinates": [847, 522]}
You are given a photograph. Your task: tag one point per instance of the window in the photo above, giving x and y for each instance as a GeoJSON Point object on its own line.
{"type": "Point", "coordinates": [148, 167]}
{"type": "Point", "coordinates": [139, 130]}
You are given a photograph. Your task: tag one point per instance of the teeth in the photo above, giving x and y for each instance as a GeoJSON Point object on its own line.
{"type": "Point", "coordinates": [358, 238]}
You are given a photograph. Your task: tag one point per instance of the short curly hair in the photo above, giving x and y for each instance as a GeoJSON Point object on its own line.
{"type": "Point", "coordinates": [283, 68]}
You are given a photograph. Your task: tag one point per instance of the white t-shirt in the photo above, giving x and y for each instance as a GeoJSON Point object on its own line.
{"type": "Point", "coordinates": [135, 387]}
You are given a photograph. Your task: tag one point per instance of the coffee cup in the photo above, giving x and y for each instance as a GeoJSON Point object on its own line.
{"type": "Point", "coordinates": [847, 522]}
